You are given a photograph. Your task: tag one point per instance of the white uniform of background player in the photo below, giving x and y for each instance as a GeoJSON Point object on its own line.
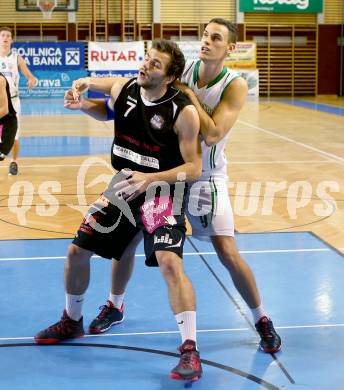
{"type": "Point", "coordinates": [218, 95]}
{"type": "Point", "coordinates": [10, 65]}
{"type": "Point", "coordinates": [9, 68]}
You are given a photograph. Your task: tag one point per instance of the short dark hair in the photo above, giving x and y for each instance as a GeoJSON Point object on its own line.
{"type": "Point", "coordinates": [6, 29]}
{"type": "Point", "coordinates": [231, 27]}
{"type": "Point", "coordinates": [177, 61]}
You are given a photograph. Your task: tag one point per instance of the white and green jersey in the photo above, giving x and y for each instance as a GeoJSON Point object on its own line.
{"type": "Point", "coordinates": [213, 157]}
{"type": "Point", "coordinates": [9, 68]}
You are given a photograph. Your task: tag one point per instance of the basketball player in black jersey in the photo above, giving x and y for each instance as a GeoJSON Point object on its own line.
{"type": "Point", "coordinates": [155, 150]}
{"type": "Point", "coordinates": [8, 119]}
{"type": "Point", "coordinates": [208, 80]}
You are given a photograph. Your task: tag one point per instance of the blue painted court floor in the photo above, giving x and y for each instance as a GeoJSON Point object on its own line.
{"type": "Point", "coordinates": [314, 106]}
{"type": "Point", "coordinates": [300, 279]}
{"type": "Point", "coordinates": [66, 145]}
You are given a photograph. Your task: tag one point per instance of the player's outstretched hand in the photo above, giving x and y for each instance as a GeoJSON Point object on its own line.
{"type": "Point", "coordinates": [70, 102]}
{"type": "Point", "coordinates": [80, 86]}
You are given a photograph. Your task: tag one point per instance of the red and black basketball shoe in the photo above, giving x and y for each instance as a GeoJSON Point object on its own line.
{"type": "Point", "coordinates": [270, 341]}
{"type": "Point", "coordinates": [109, 315]}
{"type": "Point", "coordinates": [189, 367]}
{"type": "Point", "coordinates": [65, 329]}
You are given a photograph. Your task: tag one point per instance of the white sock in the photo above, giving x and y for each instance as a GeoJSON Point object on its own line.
{"type": "Point", "coordinates": [117, 300]}
{"type": "Point", "coordinates": [74, 306]}
{"type": "Point", "coordinates": [258, 313]}
{"type": "Point", "coordinates": [186, 321]}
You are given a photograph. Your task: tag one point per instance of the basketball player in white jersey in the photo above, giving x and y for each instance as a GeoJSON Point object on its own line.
{"type": "Point", "coordinates": [10, 66]}
{"type": "Point", "coordinates": [218, 93]}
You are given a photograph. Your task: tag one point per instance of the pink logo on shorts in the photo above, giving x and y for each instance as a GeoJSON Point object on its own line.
{"type": "Point", "coordinates": [156, 212]}
{"type": "Point", "coordinates": [1, 127]}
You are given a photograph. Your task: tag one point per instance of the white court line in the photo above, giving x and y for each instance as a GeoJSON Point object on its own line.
{"type": "Point", "coordinates": [329, 155]}
{"type": "Point", "coordinates": [42, 166]}
{"type": "Point", "coordinates": [282, 162]}
{"type": "Point", "coordinates": [177, 331]}
{"type": "Point", "coordinates": [185, 254]}
{"type": "Point", "coordinates": [94, 256]}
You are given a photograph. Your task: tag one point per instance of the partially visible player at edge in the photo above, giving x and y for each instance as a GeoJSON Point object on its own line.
{"type": "Point", "coordinates": [10, 65]}
{"type": "Point", "coordinates": [8, 119]}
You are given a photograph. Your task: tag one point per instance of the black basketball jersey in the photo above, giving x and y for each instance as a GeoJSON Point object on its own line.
{"type": "Point", "coordinates": [145, 140]}
{"type": "Point", "coordinates": [11, 110]}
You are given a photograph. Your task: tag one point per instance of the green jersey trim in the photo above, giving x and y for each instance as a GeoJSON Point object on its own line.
{"type": "Point", "coordinates": [218, 77]}
{"type": "Point", "coordinates": [195, 71]}
{"type": "Point", "coordinates": [211, 83]}
{"type": "Point", "coordinates": [225, 88]}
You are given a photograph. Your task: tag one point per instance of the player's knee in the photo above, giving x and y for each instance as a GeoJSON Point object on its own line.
{"type": "Point", "coordinates": [228, 251]}
{"type": "Point", "coordinates": [170, 265]}
{"type": "Point", "coordinates": [77, 255]}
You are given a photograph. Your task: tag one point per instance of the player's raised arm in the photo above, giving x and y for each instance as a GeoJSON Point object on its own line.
{"type": "Point", "coordinates": [100, 109]}
{"type": "Point", "coordinates": [98, 84]}
{"type": "Point", "coordinates": [95, 108]}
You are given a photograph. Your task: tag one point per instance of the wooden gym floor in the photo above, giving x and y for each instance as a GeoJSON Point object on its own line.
{"type": "Point", "coordinates": [286, 160]}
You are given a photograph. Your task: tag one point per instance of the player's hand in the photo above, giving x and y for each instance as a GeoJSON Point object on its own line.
{"type": "Point", "coordinates": [139, 182]}
{"type": "Point", "coordinates": [133, 186]}
{"type": "Point", "coordinates": [32, 82]}
{"type": "Point", "coordinates": [80, 86]}
{"type": "Point", "coordinates": [70, 102]}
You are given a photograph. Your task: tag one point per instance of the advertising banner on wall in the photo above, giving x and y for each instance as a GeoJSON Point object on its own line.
{"type": "Point", "coordinates": [190, 49]}
{"type": "Point", "coordinates": [104, 73]}
{"type": "Point", "coordinates": [51, 84]}
{"type": "Point", "coordinates": [243, 57]}
{"type": "Point", "coordinates": [115, 55]}
{"type": "Point", "coordinates": [52, 55]}
{"type": "Point", "coordinates": [310, 6]}
{"type": "Point", "coordinates": [252, 79]}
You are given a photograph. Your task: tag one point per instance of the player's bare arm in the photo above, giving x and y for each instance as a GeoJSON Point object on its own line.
{"type": "Point", "coordinates": [96, 108]}
{"type": "Point", "coordinates": [31, 79]}
{"type": "Point", "coordinates": [98, 84]}
{"type": "Point", "coordinates": [187, 128]}
{"type": "Point", "coordinates": [215, 127]}
{"type": "Point", "coordinates": [93, 107]}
